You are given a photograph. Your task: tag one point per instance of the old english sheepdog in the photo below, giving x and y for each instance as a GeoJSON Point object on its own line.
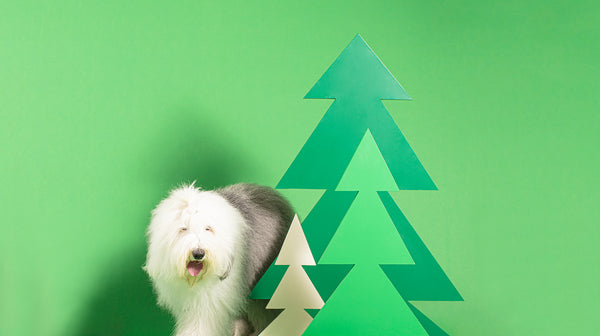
{"type": "Point", "coordinates": [207, 250]}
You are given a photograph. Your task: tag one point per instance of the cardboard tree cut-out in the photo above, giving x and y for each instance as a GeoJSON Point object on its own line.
{"type": "Point", "coordinates": [370, 261]}
{"type": "Point", "coordinates": [366, 300]}
{"type": "Point", "coordinates": [295, 292]}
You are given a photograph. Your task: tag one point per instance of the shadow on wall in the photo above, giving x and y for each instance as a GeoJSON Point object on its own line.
{"type": "Point", "coordinates": [185, 149]}
{"type": "Point", "coordinates": [127, 305]}
{"type": "Point", "coordinates": [193, 147]}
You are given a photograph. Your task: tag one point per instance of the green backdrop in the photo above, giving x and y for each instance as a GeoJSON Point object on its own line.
{"type": "Point", "coordinates": [106, 105]}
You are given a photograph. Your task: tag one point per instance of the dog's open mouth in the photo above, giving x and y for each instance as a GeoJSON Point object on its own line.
{"type": "Point", "coordinates": [194, 267]}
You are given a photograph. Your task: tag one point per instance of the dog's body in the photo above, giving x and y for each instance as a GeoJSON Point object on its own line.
{"type": "Point", "coordinates": [207, 250]}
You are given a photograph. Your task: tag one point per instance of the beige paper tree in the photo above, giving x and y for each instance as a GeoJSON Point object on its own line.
{"type": "Point", "coordinates": [295, 292]}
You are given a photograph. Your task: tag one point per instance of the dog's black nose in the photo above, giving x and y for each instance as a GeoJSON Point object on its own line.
{"type": "Point", "coordinates": [198, 254]}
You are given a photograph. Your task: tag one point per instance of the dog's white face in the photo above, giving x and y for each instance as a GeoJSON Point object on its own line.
{"type": "Point", "coordinates": [192, 236]}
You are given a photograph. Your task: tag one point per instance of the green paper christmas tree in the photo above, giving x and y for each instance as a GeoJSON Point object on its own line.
{"type": "Point", "coordinates": [370, 261]}
{"type": "Point", "coordinates": [366, 301]}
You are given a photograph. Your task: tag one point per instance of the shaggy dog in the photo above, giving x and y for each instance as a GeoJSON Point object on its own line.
{"type": "Point", "coordinates": [207, 250]}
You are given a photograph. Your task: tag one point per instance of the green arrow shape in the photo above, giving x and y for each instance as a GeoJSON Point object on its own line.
{"type": "Point", "coordinates": [367, 171]}
{"type": "Point", "coordinates": [357, 73]}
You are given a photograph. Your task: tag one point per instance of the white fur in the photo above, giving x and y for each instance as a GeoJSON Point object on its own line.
{"type": "Point", "coordinates": [212, 303]}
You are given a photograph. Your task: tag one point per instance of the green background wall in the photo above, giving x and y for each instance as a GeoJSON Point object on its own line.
{"type": "Point", "coordinates": [107, 105]}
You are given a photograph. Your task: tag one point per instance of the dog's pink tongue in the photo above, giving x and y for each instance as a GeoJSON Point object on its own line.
{"type": "Point", "coordinates": [194, 267]}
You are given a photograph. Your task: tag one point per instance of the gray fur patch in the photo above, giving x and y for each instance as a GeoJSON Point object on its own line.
{"type": "Point", "coordinates": [268, 215]}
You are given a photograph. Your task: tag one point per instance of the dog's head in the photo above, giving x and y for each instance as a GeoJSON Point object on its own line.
{"type": "Point", "coordinates": [193, 235]}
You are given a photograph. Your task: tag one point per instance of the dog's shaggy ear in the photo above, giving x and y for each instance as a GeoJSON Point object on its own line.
{"type": "Point", "coordinates": [226, 269]}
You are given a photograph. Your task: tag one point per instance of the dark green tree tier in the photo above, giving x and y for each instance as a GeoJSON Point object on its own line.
{"type": "Point", "coordinates": [357, 80]}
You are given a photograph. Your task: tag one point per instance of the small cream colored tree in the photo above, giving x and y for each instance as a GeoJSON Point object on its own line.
{"type": "Point", "coordinates": [296, 291]}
